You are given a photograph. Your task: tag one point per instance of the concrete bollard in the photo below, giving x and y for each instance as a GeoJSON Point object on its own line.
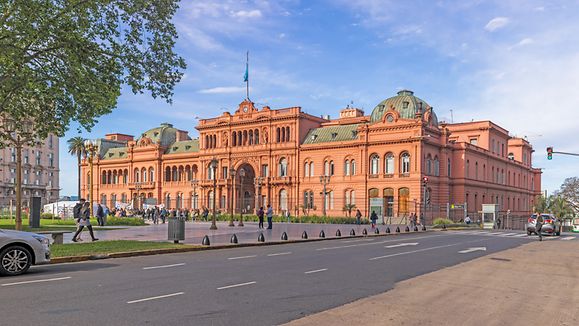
{"type": "Point", "coordinates": [352, 232]}
{"type": "Point", "coordinates": [377, 231]}
{"type": "Point", "coordinates": [424, 228]}
{"type": "Point", "coordinates": [388, 230]}
{"type": "Point", "coordinates": [364, 232]}
{"type": "Point", "coordinates": [261, 238]}
{"type": "Point", "coordinates": [284, 236]}
{"type": "Point", "coordinates": [407, 229]}
{"type": "Point", "coordinates": [397, 230]}
{"type": "Point", "coordinates": [322, 234]}
{"type": "Point", "coordinates": [233, 238]}
{"type": "Point", "coordinates": [304, 235]}
{"type": "Point", "coordinates": [444, 226]}
{"type": "Point", "coordinates": [205, 241]}
{"type": "Point", "coordinates": [338, 233]}
{"type": "Point", "coordinates": [415, 228]}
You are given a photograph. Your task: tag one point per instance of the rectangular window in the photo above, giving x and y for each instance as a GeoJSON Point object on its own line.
{"type": "Point", "coordinates": [224, 172]}
{"type": "Point", "coordinates": [264, 170]}
{"type": "Point", "coordinates": [474, 141]}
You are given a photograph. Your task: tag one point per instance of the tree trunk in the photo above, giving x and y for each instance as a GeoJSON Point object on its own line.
{"type": "Point", "coordinates": [18, 187]}
{"type": "Point", "coordinates": [78, 157]}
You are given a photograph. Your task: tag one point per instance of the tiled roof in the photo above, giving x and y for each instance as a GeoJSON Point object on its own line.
{"type": "Point", "coordinates": [187, 146]}
{"type": "Point", "coordinates": [332, 134]}
{"type": "Point", "coordinates": [115, 153]}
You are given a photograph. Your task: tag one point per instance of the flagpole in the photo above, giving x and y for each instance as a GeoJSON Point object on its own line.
{"type": "Point", "coordinates": [247, 71]}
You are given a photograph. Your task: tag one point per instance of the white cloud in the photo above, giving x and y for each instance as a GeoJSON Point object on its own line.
{"type": "Point", "coordinates": [222, 90]}
{"type": "Point", "coordinates": [496, 23]}
{"type": "Point", "coordinates": [255, 13]}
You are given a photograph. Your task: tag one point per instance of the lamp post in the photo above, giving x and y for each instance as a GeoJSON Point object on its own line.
{"type": "Point", "coordinates": [213, 165]}
{"type": "Point", "coordinates": [324, 179]}
{"type": "Point", "coordinates": [194, 183]}
{"type": "Point", "coordinates": [232, 173]}
{"type": "Point", "coordinates": [258, 183]}
{"type": "Point", "coordinates": [242, 195]}
{"type": "Point", "coordinates": [91, 149]}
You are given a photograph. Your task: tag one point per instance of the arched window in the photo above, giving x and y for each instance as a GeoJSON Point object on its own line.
{"type": "Point", "coordinates": [234, 138]}
{"type": "Point", "coordinates": [428, 165]}
{"type": "Point", "coordinates": [168, 200]}
{"type": "Point", "coordinates": [251, 137]}
{"type": "Point", "coordinates": [306, 169]}
{"type": "Point", "coordinates": [104, 199]}
{"type": "Point", "coordinates": [326, 167]}
{"type": "Point", "coordinates": [210, 172]}
{"type": "Point", "coordinates": [126, 176]}
{"type": "Point", "coordinates": [256, 137]}
{"type": "Point", "coordinates": [405, 166]}
{"type": "Point", "coordinates": [282, 167]}
{"type": "Point", "coordinates": [436, 166]}
{"type": "Point", "coordinates": [109, 177]}
{"type": "Point", "coordinates": [347, 167]}
{"type": "Point", "coordinates": [403, 197]}
{"type": "Point", "coordinates": [353, 167]}
{"type": "Point", "coordinates": [330, 200]}
{"type": "Point", "coordinates": [174, 174]}
{"type": "Point", "coordinates": [167, 174]}
{"type": "Point", "coordinates": [283, 134]}
{"type": "Point", "coordinates": [137, 175]}
{"type": "Point", "coordinates": [331, 168]}
{"type": "Point", "coordinates": [144, 174]}
{"type": "Point", "coordinates": [151, 174]}
{"type": "Point", "coordinates": [277, 135]}
{"type": "Point", "coordinates": [374, 164]}
{"type": "Point", "coordinates": [283, 200]}
{"type": "Point", "coordinates": [308, 199]}
{"type": "Point", "coordinates": [311, 169]}
{"type": "Point", "coordinates": [179, 203]}
{"type": "Point", "coordinates": [287, 133]}
{"type": "Point", "coordinates": [103, 179]}
{"type": "Point", "coordinates": [244, 140]}
{"type": "Point", "coordinates": [389, 164]}
{"type": "Point", "coordinates": [206, 141]}
{"type": "Point", "coordinates": [239, 136]}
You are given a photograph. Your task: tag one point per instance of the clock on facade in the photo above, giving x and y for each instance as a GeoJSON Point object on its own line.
{"type": "Point", "coordinates": [245, 109]}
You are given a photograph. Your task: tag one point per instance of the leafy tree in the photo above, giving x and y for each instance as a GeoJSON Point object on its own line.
{"type": "Point", "coordinates": [570, 192]}
{"type": "Point", "coordinates": [66, 60]}
{"type": "Point", "coordinates": [349, 208]}
{"type": "Point", "coordinates": [76, 147]}
{"type": "Point", "coordinates": [541, 204]}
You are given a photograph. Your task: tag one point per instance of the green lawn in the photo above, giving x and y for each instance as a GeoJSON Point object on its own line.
{"type": "Point", "coordinates": [107, 247]}
{"type": "Point", "coordinates": [69, 224]}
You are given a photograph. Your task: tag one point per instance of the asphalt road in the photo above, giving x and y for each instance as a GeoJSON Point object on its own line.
{"type": "Point", "coordinates": [266, 285]}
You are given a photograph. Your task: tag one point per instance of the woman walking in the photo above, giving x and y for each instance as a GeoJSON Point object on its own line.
{"type": "Point", "coordinates": [84, 221]}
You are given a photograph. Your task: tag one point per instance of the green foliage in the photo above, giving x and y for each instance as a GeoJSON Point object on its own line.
{"type": "Point", "coordinates": [107, 247]}
{"type": "Point", "coordinates": [441, 221]}
{"type": "Point", "coordinates": [48, 216]}
{"type": "Point", "coordinates": [348, 208]}
{"type": "Point", "coordinates": [301, 219]}
{"type": "Point", "coordinates": [129, 221]}
{"type": "Point", "coordinates": [76, 147]}
{"type": "Point", "coordinates": [63, 61]}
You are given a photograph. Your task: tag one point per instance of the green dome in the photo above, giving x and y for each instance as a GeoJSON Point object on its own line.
{"type": "Point", "coordinates": [405, 103]}
{"type": "Point", "coordinates": [164, 135]}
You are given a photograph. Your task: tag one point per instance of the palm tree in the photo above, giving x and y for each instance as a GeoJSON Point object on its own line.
{"type": "Point", "coordinates": [560, 208]}
{"type": "Point", "coordinates": [76, 147]}
{"type": "Point", "coordinates": [541, 204]}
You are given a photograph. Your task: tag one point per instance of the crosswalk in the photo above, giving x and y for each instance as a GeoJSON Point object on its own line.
{"type": "Point", "coordinates": [519, 235]}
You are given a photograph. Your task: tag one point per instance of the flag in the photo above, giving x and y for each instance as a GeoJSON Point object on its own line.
{"type": "Point", "coordinates": [246, 75]}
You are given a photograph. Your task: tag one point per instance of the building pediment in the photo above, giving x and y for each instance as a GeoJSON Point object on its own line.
{"type": "Point", "coordinates": [246, 107]}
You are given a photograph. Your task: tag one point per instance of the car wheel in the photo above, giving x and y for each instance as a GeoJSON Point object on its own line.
{"type": "Point", "coordinates": [14, 260]}
{"type": "Point", "coordinates": [529, 232]}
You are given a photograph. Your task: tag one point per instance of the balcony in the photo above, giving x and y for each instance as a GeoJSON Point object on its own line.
{"type": "Point", "coordinates": [142, 185]}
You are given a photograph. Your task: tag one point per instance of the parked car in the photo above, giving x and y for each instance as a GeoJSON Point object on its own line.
{"type": "Point", "coordinates": [19, 250]}
{"type": "Point", "coordinates": [551, 225]}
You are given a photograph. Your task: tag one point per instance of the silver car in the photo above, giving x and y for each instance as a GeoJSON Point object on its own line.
{"type": "Point", "coordinates": [19, 250]}
{"type": "Point", "coordinates": [551, 225]}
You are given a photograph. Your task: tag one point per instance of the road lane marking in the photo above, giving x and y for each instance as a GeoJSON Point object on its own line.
{"type": "Point", "coordinates": [381, 242]}
{"type": "Point", "coordinates": [235, 285]}
{"type": "Point", "coordinates": [358, 240]}
{"type": "Point", "coordinates": [402, 245]}
{"type": "Point", "coordinates": [316, 271]}
{"type": "Point", "coordinates": [156, 298]}
{"type": "Point", "coordinates": [466, 251]}
{"type": "Point", "coordinates": [242, 257]}
{"type": "Point", "coordinates": [163, 266]}
{"type": "Point", "coordinates": [425, 249]}
{"type": "Point", "coordinates": [37, 281]}
{"type": "Point", "coordinates": [520, 235]}
{"type": "Point", "coordinates": [568, 238]}
{"type": "Point", "coordinates": [279, 254]}
{"type": "Point", "coordinates": [508, 234]}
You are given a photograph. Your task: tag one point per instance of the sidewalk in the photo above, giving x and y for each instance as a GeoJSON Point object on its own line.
{"type": "Point", "coordinates": [535, 284]}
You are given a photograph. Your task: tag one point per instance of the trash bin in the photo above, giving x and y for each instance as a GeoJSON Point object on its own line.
{"type": "Point", "coordinates": [176, 229]}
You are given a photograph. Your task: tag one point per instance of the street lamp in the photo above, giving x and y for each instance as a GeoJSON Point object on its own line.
{"type": "Point", "coordinates": [324, 179]}
{"type": "Point", "coordinates": [213, 165]}
{"type": "Point", "coordinates": [232, 173]}
{"type": "Point", "coordinates": [258, 183]}
{"type": "Point", "coordinates": [242, 195]}
{"type": "Point", "coordinates": [91, 149]}
{"type": "Point", "coordinates": [194, 183]}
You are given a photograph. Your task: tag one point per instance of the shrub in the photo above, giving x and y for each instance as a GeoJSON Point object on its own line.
{"type": "Point", "coordinates": [441, 221]}
{"type": "Point", "coordinates": [48, 216]}
{"type": "Point", "coordinates": [126, 221]}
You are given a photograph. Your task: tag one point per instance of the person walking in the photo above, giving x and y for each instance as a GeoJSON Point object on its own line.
{"type": "Point", "coordinates": [205, 213]}
{"type": "Point", "coordinates": [76, 214]}
{"type": "Point", "coordinates": [539, 226]}
{"type": "Point", "coordinates": [260, 217]}
{"type": "Point", "coordinates": [288, 216]}
{"type": "Point", "coordinates": [358, 217]}
{"type": "Point", "coordinates": [100, 213]}
{"type": "Point", "coordinates": [269, 215]}
{"type": "Point", "coordinates": [84, 221]}
{"type": "Point", "coordinates": [373, 218]}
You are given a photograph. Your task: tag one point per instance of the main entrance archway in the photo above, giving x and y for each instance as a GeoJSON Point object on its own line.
{"type": "Point", "coordinates": [245, 189]}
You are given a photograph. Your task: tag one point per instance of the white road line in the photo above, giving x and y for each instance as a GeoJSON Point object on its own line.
{"type": "Point", "coordinates": [163, 266]}
{"type": "Point", "coordinates": [358, 240]}
{"type": "Point", "coordinates": [568, 238]}
{"type": "Point", "coordinates": [520, 235]}
{"type": "Point", "coordinates": [37, 281]}
{"type": "Point", "coordinates": [425, 249]}
{"type": "Point", "coordinates": [155, 298]}
{"type": "Point", "coordinates": [316, 271]}
{"type": "Point", "coordinates": [508, 234]}
{"type": "Point", "coordinates": [495, 233]}
{"type": "Point", "coordinates": [381, 242]}
{"type": "Point", "coordinates": [235, 285]}
{"type": "Point", "coordinates": [242, 257]}
{"type": "Point", "coordinates": [402, 245]}
{"type": "Point", "coordinates": [279, 254]}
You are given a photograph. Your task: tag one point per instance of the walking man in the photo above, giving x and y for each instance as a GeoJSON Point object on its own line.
{"type": "Point", "coordinates": [539, 226]}
{"type": "Point", "coordinates": [84, 221]}
{"type": "Point", "coordinates": [358, 216]}
{"type": "Point", "coordinates": [260, 217]}
{"type": "Point", "coordinates": [100, 215]}
{"type": "Point", "coordinates": [373, 218]}
{"type": "Point", "coordinates": [269, 215]}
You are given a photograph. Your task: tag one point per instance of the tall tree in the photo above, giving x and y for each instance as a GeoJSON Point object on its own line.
{"type": "Point", "coordinates": [541, 204]}
{"type": "Point", "coordinates": [76, 147]}
{"type": "Point", "coordinates": [570, 192]}
{"type": "Point", "coordinates": [66, 60]}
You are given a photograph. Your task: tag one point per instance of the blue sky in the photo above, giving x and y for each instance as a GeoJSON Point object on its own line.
{"type": "Point", "coordinates": [513, 62]}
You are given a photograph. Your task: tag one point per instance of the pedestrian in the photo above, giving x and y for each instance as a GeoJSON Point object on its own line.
{"type": "Point", "coordinates": [539, 226]}
{"type": "Point", "coordinates": [467, 220]}
{"type": "Point", "coordinates": [412, 221]}
{"type": "Point", "coordinates": [260, 217]}
{"type": "Point", "coordinates": [164, 213]}
{"type": "Point", "coordinates": [498, 223]}
{"type": "Point", "coordinates": [287, 215]}
{"type": "Point", "coordinates": [84, 221]}
{"type": "Point", "coordinates": [100, 214]}
{"type": "Point", "coordinates": [205, 213]}
{"type": "Point", "coordinates": [373, 218]}
{"type": "Point", "coordinates": [156, 215]}
{"type": "Point", "coordinates": [358, 217]}
{"type": "Point", "coordinates": [269, 215]}
{"type": "Point", "coordinates": [76, 214]}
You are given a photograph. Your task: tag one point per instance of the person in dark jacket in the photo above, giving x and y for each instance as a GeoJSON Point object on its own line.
{"type": "Point", "coordinates": [373, 218]}
{"type": "Point", "coordinates": [84, 221]}
{"type": "Point", "coordinates": [539, 226]}
{"type": "Point", "coordinates": [100, 213]}
{"type": "Point", "coordinates": [260, 214]}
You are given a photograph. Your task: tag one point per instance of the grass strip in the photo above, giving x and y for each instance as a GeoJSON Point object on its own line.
{"type": "Point", "coordinates": [109, 247]}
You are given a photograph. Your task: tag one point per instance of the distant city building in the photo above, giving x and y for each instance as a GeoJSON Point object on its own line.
{"type": "Point", "coordinates": [40, 173]}
{"type": "Point", "coordinates": [377, 163]}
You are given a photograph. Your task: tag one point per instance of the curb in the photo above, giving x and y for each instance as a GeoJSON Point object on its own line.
{"type": "Point", "coordinates": [75, 259]}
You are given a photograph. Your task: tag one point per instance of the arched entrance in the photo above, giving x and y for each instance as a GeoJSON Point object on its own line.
{"type": "Point", "coordinates": [244, 193]}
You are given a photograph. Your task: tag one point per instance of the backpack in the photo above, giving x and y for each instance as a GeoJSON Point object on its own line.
{"type": "Point", "coordinates": [76, 211]}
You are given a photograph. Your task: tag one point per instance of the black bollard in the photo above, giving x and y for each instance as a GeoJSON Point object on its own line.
{"type": "Point", "coordinates": [388, 230]}
{"type": "Point", "coordinates": [284, 236]}
{"type": "Point", "coordinates": [352, 232]}
{"type": "Point", "coordinates": [364, 232]}
{"type": "Point", "coordinates": [444, 226]}
{"type": "Point", "coordinates": [205, 241]}
{"type": "Point", "coordinates": [338, 233]}
{"type": "Point", "coordinates": [261, 238]}
{"type": "Point", "coordinates": [304, 235]}
{"type": "Point", "coordinates": [397, 230]}
{"type": "Point", "coordinates": [415, 228]}
{"type": "Point", "coordinates": [377, 231]}
{"type": "Point", "coordinates": [322, 234]}
{"type": "Point", "coordinates": [407, 229]}
{"type": "Point", "coordinates": [233, 239]}
{"type": "Point", "coordinates": [424, 228]}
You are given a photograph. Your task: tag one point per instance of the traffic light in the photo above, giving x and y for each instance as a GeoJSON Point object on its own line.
{"type": "Point", "coordinates": [424, 181]}
{"type": "Point", "coordinates": [549, 153]}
